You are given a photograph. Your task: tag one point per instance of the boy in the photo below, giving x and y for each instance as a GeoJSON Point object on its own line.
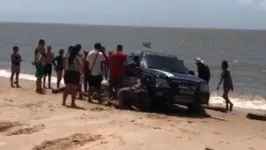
{"type": "Point", "coordinates": [15, 66]}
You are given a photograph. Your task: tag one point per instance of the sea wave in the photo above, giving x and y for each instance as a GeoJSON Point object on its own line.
{"type": "Point", "coordinates": [240, 100]}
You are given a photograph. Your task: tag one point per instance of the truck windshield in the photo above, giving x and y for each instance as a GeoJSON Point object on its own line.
{"type": "Point", "coordinates": [166, 63]}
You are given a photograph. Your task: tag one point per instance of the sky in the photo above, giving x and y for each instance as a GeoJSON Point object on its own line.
{"type": "Point", "coordinates": [239, 14]}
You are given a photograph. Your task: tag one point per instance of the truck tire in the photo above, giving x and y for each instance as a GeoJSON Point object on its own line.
{"type": "Point", "coordinates": [194, 108]}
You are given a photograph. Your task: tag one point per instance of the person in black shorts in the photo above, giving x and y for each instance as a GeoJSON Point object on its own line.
{"type": "Point", "coordinates": [49, 57]}
{"type": "Point", "coordinates": [59, 66]}
{"type": "Point", "coordinates": [95, 60]}
{"type": "Point", "coordinates": [73, 66]}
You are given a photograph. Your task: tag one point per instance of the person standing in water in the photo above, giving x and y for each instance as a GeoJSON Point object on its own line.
{"type": "Point", "coordinates": [72, 65]}
{"type": "Point", "coordinates": [58, 66]}
{"type": "Point", "coordinates": [15, 67]}
{"type": "Point", "coordinates": [39, 65]}
{"type": "Point", "coordinates": [49, 57]}
{"type": "Point", "coordinates": [227, 84]}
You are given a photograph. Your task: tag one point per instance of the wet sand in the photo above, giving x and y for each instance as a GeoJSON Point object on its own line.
{"type": "Point", "coordinates": [29, 121]}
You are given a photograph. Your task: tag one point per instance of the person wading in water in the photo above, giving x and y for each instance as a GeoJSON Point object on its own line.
{"type": "Point", "coordinates": [227, 84]}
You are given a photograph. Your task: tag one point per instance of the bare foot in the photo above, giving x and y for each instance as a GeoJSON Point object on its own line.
{"type": "Point", "coordinates": [73, 105]}
{"type": "Point", "coordinates": [89, 100]}
{"type": "Point", "coordinates": [12, 85]}
{"type": "Point", "coordinates": [18, 86]}
{"type": "Point", "coordinates": [63, 104]}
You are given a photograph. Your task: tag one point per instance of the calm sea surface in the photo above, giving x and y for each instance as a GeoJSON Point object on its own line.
{"type": "Point", "coordinates": [244, 49]}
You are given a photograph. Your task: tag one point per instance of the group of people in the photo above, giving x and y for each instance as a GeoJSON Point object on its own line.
{"type": "Point", "coordinates": [89, 69]}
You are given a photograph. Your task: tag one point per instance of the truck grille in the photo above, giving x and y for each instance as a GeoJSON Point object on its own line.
{"type": "Point", "coordinates": [184, 87]}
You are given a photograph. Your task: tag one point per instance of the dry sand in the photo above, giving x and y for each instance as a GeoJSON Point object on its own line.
{"type": "Point", "coordinates": [38, 122]}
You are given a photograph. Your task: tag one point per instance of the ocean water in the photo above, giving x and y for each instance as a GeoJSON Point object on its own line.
{"type": "Point", "coordinates": [245, 50]}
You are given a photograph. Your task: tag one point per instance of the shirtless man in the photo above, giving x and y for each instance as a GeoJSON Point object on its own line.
{"type": "Point", "coordinates": [39, 63]}
{"type": "Point", "coordinates": [49, 57]}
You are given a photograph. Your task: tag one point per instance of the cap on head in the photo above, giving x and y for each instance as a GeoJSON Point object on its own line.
{"type": "Point", "coordinates": [199, 61]}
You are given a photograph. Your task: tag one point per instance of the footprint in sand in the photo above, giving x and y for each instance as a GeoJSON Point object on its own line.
{"type": "Point", "coordinates": [28, 130]}
{"type": "Point", "coordinates": [69, 142]}
{"type": "Point", "coordinates": [7, 125]}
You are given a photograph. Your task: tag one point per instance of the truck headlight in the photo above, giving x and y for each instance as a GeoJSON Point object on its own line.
{"type": "Point", "coordinates": [161, 83]}
{"type": "Point", "coordinates": [204, 88]}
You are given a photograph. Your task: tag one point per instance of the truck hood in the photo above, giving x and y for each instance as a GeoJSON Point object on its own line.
{"type": "Point", "coordinates": [175, 76]}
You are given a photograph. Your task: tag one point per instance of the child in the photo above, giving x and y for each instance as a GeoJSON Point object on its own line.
{"type": "Point", "coordinates": [227, 84]}
{"type": "Point", "coordinates": [15, 67]}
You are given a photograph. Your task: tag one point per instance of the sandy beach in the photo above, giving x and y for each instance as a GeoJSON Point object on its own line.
{"type": "Point", "coordinates": [38, 122]}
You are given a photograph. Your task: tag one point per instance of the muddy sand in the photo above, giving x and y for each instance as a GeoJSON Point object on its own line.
{"type": "Point", "coordinates": [38, 122]}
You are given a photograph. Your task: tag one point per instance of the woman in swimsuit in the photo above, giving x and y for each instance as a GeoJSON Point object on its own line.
{"type": "Point", "coordinates": [73, 65]}
{"type": "Point", "coordinates": [227, 84]}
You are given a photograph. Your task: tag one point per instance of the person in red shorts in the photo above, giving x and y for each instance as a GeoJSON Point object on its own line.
{"type": "Point", "coordinates": [116, 64]}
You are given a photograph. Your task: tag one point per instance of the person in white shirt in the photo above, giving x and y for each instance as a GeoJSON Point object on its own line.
{"type": "Point", "coordinates": [95, 59]}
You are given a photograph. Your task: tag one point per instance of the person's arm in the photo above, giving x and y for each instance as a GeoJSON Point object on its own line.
{"type": "Point", "coordinates": [12, 58]}
{"type": "Point", "coordinates": [221, 80]}
{"type": "Point", "coordinates": [38, 57]}
{"type": "Point", "coordinates": [64, 63]}
{"type": "Point", "coordinates": [54, 60]}
{"type": "Point", "coordinates": [80, 63]}
{"type": "Point", "coordinates": [20, 58]}
{"type": "Point", "coordinates": [232, 85]}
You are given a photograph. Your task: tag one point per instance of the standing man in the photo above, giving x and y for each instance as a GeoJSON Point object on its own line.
{"type": "Point", "coordinates": [203, 70]}
{"type": "Point", "coordinates": [49, 57]}
{"type": "Point", "coordinates": [117, 61]}
{"type": "Point", "coordinates": [95, 60]}
{"type": "Point", "coordinates": [39, 63]}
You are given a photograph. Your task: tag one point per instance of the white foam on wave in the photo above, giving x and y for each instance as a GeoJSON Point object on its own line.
{"type": "Point", "coordinates": [245, 101]}
{"type": "Point", "coordinates": [257, 103]}
{"type": "Point", "coordinates": [29, 77]}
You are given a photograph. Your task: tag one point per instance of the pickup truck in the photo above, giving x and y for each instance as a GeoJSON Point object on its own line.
{"type": "Point", "coordinates": [168, 80]}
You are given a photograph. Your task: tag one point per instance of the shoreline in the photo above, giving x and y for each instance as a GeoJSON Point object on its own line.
{"type": "Point", "coordinates": [35, 121]}
{"type": "Point", "coordinates": [242, 101]}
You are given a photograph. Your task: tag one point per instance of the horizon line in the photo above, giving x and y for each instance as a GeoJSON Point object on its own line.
{"type": "Point", "coordinates": [133, 26]}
